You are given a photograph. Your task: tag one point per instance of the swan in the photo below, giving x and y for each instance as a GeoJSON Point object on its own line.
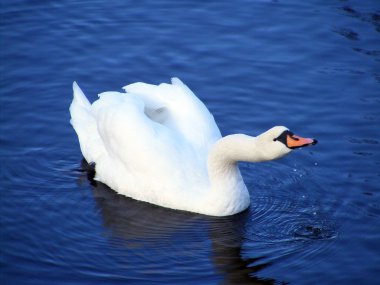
{"type": "Point", "coordinates": [161, 145]}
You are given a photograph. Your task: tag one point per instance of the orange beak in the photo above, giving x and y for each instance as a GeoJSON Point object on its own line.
{"type": "Point", "coordinates": [293, 141]}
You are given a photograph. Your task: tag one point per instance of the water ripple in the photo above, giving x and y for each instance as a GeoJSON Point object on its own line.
{"type": "Point", "coordinates": [285, 216]}
{"type": "Point", "coordinates": [31, 166]}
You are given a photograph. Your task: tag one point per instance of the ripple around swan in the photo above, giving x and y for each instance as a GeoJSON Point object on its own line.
{"type": "Point", "coordinates": [280, 225]}
{"type": "Point", "coordinates": [285, 218]}
{"type": "Point", "coordinates": [37, 167]}
{"type": "Point", "coordinates": [148, 234]}
{"type": "Point", "coordinates": [138, 232]}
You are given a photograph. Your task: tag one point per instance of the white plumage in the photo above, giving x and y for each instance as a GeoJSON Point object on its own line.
{"type": "Point", "coordinates": [161, 145]}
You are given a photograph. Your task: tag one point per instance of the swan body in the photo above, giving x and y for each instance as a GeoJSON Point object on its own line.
{"type": "Point", "coordinates": [160, 144]}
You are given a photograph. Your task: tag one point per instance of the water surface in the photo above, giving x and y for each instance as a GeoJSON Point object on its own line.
{"type": "Point", "coordinates": [312, 66]}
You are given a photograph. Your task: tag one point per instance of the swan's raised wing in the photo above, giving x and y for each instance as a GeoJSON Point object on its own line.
{"type": "Point", "coordinates": [143, 156]}
{"type": "Point", "coordinates": [184, 113]}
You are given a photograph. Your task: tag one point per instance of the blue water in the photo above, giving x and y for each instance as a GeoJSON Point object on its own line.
{"type": "Point", "coordinates": [313, 66]}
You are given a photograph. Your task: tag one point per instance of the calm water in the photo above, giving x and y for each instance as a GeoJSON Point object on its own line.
{"type": "Point", "coordinates": [313, 66]}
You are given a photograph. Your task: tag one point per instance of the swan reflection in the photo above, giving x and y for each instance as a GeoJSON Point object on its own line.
{"type": "Point", "coordinates": [180, 239]}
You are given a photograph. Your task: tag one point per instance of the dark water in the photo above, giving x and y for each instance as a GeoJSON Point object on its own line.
{"type": "Point", "coordinates": [313, 66]}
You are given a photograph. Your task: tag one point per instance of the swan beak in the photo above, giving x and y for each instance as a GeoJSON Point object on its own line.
{"type": "Point", "coordinates": [293, 141]}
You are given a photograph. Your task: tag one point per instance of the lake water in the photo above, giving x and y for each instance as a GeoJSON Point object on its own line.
{"type": "Point", "coordinates": [313, 66]}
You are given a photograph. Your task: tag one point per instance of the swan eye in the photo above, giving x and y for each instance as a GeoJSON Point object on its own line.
{"type": "Point", "coordinates": [283, 137]}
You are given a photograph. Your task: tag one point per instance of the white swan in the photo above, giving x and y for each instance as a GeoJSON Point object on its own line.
{"type": "Point", "coordinates": [160, 144]}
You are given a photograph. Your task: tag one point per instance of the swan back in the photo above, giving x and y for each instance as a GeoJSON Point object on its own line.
{"type": "Point", "coordinates": [150, 143]}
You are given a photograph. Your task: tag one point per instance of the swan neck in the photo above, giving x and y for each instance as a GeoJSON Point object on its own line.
{"type": "Point", "coordinates": [228, 191]}
{"type": "Point", "coordinates": [233, 148]}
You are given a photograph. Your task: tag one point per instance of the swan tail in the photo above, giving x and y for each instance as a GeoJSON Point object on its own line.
{"type": "Point", "coordinates": [84, 125]}
{"type": "Point", "coordinates": [79, 96]}
{"type": "Point", "coordinates": [80, 109]}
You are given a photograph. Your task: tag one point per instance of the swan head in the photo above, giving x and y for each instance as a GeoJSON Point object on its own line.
{"type": "Point", "coordinates": [279, 141]}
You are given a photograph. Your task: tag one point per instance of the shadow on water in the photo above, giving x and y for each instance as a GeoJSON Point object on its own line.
{"type": "Point", "coordinates": [133, 224]}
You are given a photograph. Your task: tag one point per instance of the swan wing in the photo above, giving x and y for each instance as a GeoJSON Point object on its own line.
{"type": "Point", "coordinates": [145, 160]}
{"type": "Point", "coordinates": [184, 113]}
{"type": "Point", "coordinates": [150, 143]}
